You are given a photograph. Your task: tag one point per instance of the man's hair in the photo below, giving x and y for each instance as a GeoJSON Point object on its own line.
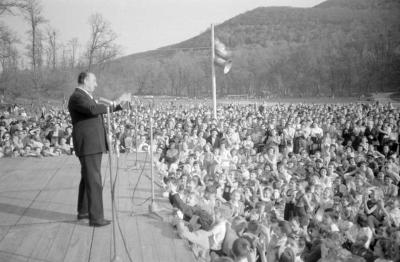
{"type": "Point", "coordinates": [285, 227]}
{"type": "Point", "coordinates": [287, 255]}
{"type": "Point", "coordinates": [82, 76]}
{"type": "Point", "coordinates": [211, 189]}
{"type": "Point", "coordinates": [362, 220]}
{"type": "Point", "coordinates": [253, 227]}
{"type": "Point", "coordinates": [240, 247]}
{"type": "Point", "coordinates": [239, 224]}
{"type": "Point", "coordinates": [205, 219]}
{"type": "Point", "coordinates": [171, 180]}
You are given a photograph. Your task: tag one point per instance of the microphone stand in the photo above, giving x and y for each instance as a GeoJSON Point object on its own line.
{"type": "Point", "coordinates": [152, 209]}
{"type": "Point", "coordinates": [153, 206]}
{"type": "Point", "coordinates": [115, 257]}
{"type": "Point", "coordinates": [136, 135]}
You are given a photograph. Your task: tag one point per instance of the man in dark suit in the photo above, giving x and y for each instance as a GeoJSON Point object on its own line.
{"type": "Point", "coordinates": [89, 140]}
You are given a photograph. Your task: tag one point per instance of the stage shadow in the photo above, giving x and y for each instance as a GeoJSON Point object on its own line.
{"type": "Point", "coordinates": [43, 214]}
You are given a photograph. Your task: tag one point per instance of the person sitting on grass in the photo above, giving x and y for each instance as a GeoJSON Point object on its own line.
{"type": "Point", "coordinates": [64, 147]}
{"type": "Point", "coordinates": [48, 150]}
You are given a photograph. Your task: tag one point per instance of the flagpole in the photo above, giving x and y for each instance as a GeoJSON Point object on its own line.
{"type": "Point", "coordinates": [214, 87]}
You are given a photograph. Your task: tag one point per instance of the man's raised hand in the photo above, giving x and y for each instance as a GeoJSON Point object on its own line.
{"type": "Point", "coordinates": [125, 97]}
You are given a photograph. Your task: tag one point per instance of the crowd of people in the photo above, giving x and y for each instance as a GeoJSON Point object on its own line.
{"type": "Point", "coordinates": [281, 182]}
{"type": "Point", "coordinates": [42, 132]}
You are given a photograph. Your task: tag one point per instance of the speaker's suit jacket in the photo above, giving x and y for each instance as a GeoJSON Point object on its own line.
{"type": "Point", "coordinates": [88, 133]}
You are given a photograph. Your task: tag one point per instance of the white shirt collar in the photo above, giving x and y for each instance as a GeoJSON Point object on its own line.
{"type": "Point", "coordinates": [85, 92]}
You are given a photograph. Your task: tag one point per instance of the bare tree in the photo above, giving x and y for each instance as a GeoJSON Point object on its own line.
{"type": "Point", "coordinates": [32, 13]}
{"type": "Point", "coordinates": [101, 47]}
{"type": "Point", "coordinates": [8, 55]}
{"type": "Point", "coordinates": [73, 47]}
{"type": "Point", "coordinates": [52, 46]}
{"type": "Point", "coordinates": [9, 6]}
{"type": "Point", "coordinates": [64, 56]}
{"type": "Point", "coordinates": [40, 38]}
{"type": "Point", "coordinates": [8, 40]}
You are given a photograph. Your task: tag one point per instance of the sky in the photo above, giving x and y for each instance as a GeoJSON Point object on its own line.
{"type": "Point", "coordinates": [143, 25]}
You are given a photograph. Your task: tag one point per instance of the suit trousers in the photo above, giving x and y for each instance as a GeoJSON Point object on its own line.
{"type": "Point", "coordinates": [90, 196]}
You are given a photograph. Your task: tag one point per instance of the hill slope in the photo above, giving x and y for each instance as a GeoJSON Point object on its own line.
{"type": "Point", "coordinates": [341, 47]}
{"type": "Point", "coordinates": [361, 4]}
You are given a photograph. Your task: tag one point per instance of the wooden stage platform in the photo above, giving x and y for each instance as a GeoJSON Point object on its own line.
{"type": "Point", "coordinates": [38, 214]}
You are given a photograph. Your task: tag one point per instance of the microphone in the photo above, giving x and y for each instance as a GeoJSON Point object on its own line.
{"type": "Point", "coordinates": [105, 101]}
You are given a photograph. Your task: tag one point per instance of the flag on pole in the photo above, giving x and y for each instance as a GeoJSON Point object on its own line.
{"type": "Point", "coordinates": [223, 57]}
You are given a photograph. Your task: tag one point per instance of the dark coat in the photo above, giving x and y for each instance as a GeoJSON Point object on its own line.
{"type": "Point", "coordinates": [217, 142]}
{"type": "Point", "coordinates": [176, 201]}
{"type": "Point", "coordinates": [88, 131]}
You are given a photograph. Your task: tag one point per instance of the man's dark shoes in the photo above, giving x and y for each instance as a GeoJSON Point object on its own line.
{"type": "Point", "coordinates": [83, 216]}
{"type": "Point", "coordinates": [100, 223]}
